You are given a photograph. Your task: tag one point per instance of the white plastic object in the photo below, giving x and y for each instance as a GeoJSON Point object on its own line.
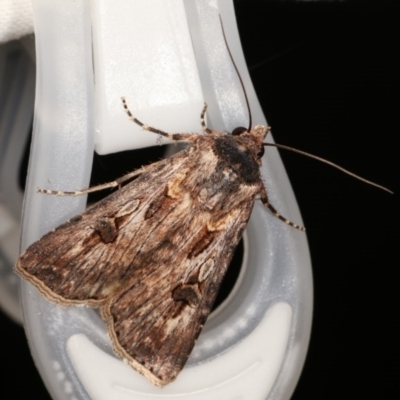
{"type": "Point", "coordinates": [17, 93]}
{"type": "Point", "coordinates": [271, 303]}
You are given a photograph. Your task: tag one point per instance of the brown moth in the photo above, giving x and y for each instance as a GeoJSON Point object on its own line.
{"type": "Point", "coordinates": [151, 256]}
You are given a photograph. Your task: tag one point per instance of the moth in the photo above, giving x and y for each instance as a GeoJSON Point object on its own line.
{"type": "Point", "coordinates": [151, 256]}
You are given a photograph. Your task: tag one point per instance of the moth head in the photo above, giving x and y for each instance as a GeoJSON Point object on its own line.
{"type": "Point", "coordinates": [253, 139]}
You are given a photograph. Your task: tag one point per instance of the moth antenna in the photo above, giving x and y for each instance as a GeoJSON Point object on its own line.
{"type": "Point", "coordinates": [238, 74]}
{"type": "Point", "coordinates": [323, 160]}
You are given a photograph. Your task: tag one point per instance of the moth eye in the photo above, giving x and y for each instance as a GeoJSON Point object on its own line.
{"type": "Point", "coordinates": [261, 152]}
{"type": "Point", "coordinates": [238, 131]}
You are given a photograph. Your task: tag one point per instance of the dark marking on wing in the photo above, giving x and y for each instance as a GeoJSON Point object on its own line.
{"type": "Point", "coordinates": [187, 293]}
{"type": "Point", "coordinates": [106, 229]}
{"type": "Point", "coordinates": [156, 207]}
{"type": "Point", "coordinates": [202, 242]}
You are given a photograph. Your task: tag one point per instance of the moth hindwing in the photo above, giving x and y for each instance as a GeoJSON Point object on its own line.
{"type": "Point", "coordinates": [151, 256]}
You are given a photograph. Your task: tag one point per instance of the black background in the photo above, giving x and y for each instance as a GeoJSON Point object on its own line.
{"type": "Point", "coordinates": [327, 77]}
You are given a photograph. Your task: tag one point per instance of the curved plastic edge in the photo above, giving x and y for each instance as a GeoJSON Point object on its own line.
{"type": "Point", "coordinates": [17, 93]}
{"type": "Point", "coordinates": [221, 378]}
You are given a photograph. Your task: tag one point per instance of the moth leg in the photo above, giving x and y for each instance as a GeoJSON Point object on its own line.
{"type": "Point", "coordinates": [276, 213]}
{"type": "Point", "coordinates": [203, 123]}
{"type": "Point", "coordinates": [172, 136]}
{"type": "Point", "coordinates": [97, 188]}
